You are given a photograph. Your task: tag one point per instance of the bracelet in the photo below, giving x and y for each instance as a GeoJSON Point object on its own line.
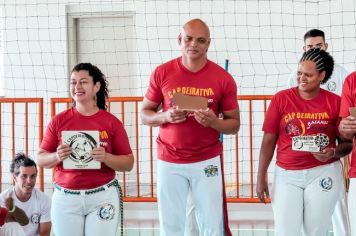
{"type": "Point", "coordinates": [13, 209]}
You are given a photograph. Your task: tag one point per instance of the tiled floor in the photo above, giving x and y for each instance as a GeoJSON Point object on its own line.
{"type": "Point", "coordinates": [141, 219]}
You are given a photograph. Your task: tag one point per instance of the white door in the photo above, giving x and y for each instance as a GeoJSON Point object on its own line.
{"type": "Point", "coordinates": [108, 42]}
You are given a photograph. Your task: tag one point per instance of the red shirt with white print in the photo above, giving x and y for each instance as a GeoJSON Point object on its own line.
{"type": "Point", "coordinates": [112, 136]}
{"type": "Point", "coordinates": [189, 141]}
{"type": "Point", "coordinates": [290, 115]}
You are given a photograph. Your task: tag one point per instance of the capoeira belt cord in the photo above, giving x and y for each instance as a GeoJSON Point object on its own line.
{"type": "Point", "coordinates": [116, 183]}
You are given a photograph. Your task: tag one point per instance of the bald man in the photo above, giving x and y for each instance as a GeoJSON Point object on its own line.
{"type": "Point", "coordinates": [189, 149]}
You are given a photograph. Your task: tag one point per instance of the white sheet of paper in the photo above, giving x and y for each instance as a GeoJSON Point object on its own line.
{"type": "Point", "coordinates": [305, 144]}
{"type": "Point", "coordinates": [82, 143]}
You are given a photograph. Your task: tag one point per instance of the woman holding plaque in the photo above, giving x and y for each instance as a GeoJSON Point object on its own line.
{"type": "Point", "coordinates": [86, 145]}
{"type": "Point", "coordinates": [302, 122]}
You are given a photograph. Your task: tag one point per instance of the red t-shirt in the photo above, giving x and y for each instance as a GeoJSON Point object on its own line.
{"type": "Point", "coordinates": [112, 137]}
{"type": "Point", "coordinates": [348, 99]}
{"type": "Point", "coordinates": [3, 213]}
{"type": "Point", "coordinates": [289, 115]}
{"type": "Point", "coordinates": [189, 141]}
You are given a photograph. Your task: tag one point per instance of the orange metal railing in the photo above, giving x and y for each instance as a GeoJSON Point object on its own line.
{"type": "Point", "coordinates": [251, 198]}
{"type": "Point", "coordinates": [13, 107]}
{"type": "Point", "coordinates": [133, 189]}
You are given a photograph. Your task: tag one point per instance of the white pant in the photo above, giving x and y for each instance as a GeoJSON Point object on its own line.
{"type": "Point", "coordinates": [352, 205]}
{"type": "Point", "coordinates": [340, 219]}
{"type": "Point", "coordinates": [205, 181]}
{"type": "Point", "coordinates": [11, 229]}
{"type": "Point", "coordinates": [89, 215]}
{"type": "Point", "coordinates": [191, 225]}
{"type": "Point", "coordinates": [304, 200]}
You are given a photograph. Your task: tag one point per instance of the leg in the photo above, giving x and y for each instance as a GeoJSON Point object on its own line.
{"type": "Point", "coordinates": [191, 226]}
{"type": "Point", "coordinates": [67, 214]}
{"type": "Point", "coordinates": [320, 197]}
{"type": "Point", "coordinates": [340, 219]}
{"type": "Point", "coordinates": [207, 196]}
{"type": "Point", "coordinates": [12, 229]}
{"type": "Point", "coordinates": [352, 205]}
{"type": "Point", "coordinates": [287, 202]}
{"type": "Point", "coordinates": [103, 213]}
{"type": "Point", "coordinates": [172, 191]}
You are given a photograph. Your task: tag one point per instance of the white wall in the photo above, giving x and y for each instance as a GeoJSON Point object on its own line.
{"type": "Point", "coordinates": [262, 39]}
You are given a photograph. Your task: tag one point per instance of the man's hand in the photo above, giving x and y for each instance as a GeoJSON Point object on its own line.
{"type": "Point", "coordinates": [174, 115]}
{"type": "Point", "coordinates": [205, 117]}
{"type": "Point", "coordinates": [347, 127]}
{"type": "Point", "coordinates": [18, 215]}
{"type": "Point", "coordinates": [9, 201]}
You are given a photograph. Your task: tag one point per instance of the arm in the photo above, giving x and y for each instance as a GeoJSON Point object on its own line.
{"type": "Point", "coordinates": [230, 124]}
{"type": "Point", "coordinates": [151, 115]}
{"type": "Point", "coordinates": [266, 154]}
{"type": "Point", "coordinates": [115, 162]}
{"type": "Point", "coordinates": [45, 229]}
{"type": "Point", "coordinates": [50, 159]}
{"type": "Point", "coordinates": [343, 148]}
{"type": "Point", "coordinates": [119, 157]}
{"type": "Point", "coordinates": [18, 215]}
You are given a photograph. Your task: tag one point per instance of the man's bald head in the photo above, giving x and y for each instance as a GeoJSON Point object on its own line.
{"type": "Point", "coordinates": [194, 41]}
{"type": "Point", "coordinates": [197, 24]}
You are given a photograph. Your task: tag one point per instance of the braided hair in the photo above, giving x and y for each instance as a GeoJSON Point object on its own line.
{"type": "Point", "coordinates": [322, 59]}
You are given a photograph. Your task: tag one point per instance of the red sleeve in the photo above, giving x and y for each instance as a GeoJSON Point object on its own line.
{"type": "Point", "coordinates": [121, 145]}
{"type": "Point", "coordinates": [154, 92]}
{"type": "Point", "coordinates": [272, 117]}
{"type": "Point", "coordinates": [229, 101]}
{"type": "Point", "coordinates": [3, 212]}
{"type": "Point", "coordinates": [348, 95]}
{"type": "Point", "coordinates": [50, 139]}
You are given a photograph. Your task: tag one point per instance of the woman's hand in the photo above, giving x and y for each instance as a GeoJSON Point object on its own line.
{"type": "Point", "coordinates": [63, 152]}
{"type": "Point", "coordinates": [262, 189]}
{"type": "Point", "coordinates": [324, 155]}
{"type": "Point", "coordinates": [99, 154]}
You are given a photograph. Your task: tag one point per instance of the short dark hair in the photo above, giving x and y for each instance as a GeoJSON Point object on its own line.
{"type": "Point", "coordinates": [98, 76]}
{"type": "Point", "coordinates": [322, 59]}
{"type": "Point", "coordinates": [314, 33]}
{"type": "Point", "coordinates": [21, 160]}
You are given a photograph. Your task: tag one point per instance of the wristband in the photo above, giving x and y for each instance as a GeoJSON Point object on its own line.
{"type": "Point", "coordinates": [13, 209]}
